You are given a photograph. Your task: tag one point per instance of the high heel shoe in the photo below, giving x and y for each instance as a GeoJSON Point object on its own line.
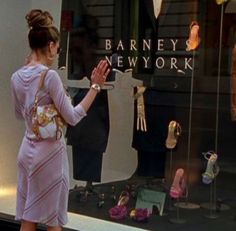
{"type": "Point", "coordinates": [120, 211]}
{"type": "Point", "coordinates": [212, 169]}
{"type": "Point", "coordinates": [140, 214]}
{"type": "Point", "coordinates": [178, 187]}
{"type": "Point", "coordinates": [219, 2]}
{"type": "Point", "coordinates": [174, 131]}
{"type": "Point", "coordinates": [194, 39]}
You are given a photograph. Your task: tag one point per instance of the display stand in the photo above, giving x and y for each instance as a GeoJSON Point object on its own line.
{"type": "Point", "coordinates": [217, 206]}
{"type": "Point", "coordinates": [177, 220]}
{"type": "Point", "coordinates": [177, 133]}
{"type": "Point", "coordinates": [187, 204]}
{"type": "Point", "coordinates": [212, 214]}
{"type": "Point", "coordinates": [212, 205]}
{"type": "Point", "coordinates": [170, 206]}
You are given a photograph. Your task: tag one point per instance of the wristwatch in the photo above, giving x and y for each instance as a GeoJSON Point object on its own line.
{"type": "Point", "coordinates": [96, 87]}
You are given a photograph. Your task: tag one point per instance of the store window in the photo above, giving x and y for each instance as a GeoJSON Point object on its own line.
{"type": "Point", "coordinates": [177, 56]}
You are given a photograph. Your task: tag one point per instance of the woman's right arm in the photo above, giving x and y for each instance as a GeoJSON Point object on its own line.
{"type": "Point", "coordinates": [72, 115]}
{"type": "Point", "coordinates": [98, 77]}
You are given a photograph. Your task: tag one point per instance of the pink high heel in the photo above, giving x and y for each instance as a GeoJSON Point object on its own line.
{"type": "Point", "coordinates": [178, 186]}
{"type": "Point", "coordinates": [120, 211]}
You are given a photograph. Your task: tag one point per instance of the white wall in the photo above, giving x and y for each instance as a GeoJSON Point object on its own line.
{"type": "Point", "coordinates": [13, 49]}
{"type": "Point", "coordinates": [53, 6]}
{"type": "Point", "coordinates": [119, 160]}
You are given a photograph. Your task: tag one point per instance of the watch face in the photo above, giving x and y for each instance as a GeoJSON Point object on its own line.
{"type": "Point", "coordinates": [96, 87]}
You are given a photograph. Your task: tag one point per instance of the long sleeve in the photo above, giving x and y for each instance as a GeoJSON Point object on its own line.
{"type": "Point", "coordinates": [72, 115]}
{"type": "Point", "coordinates": [233, 86]}
{"type": "Point", "coordinates": [16, 102]}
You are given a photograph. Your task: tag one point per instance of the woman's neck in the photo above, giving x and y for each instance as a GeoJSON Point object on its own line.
{"type": "Point", "coordinates": [34, 59]}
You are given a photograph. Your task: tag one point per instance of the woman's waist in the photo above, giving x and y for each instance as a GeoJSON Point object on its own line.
{"type": "Point", "coordinates": [30, 136]}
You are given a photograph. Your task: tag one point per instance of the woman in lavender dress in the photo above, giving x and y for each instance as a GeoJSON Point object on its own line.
{"type": "Point", "coordinates": [43, 177]}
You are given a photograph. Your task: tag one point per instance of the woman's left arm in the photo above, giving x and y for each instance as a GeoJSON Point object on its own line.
{"type": "Point", "coordinates": [16, 102]}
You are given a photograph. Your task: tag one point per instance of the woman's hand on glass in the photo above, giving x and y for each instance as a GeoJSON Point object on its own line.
{"type": "Point", "coordinates": [100, 73]}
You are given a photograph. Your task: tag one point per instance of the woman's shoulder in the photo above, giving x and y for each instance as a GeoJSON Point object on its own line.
{"type": "Point", "coordinates": [27, 71]}
{"type": "Point", "coordinates": [52, 77]}
{"type": "Point", "coordinates": [52, 72]}
{"type": "Point", "coordinates": [16, 75]}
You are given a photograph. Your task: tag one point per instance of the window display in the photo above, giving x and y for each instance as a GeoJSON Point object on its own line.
{"type": "Point", "coordinates": [172, 48]}
{"type": "Point", "coordinates": [180, 52]}
{"type": "Point", "coordinates": [159, 137]}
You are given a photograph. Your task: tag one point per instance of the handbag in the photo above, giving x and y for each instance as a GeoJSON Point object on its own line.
{"type": "Point", "coordinates": [46, 120]}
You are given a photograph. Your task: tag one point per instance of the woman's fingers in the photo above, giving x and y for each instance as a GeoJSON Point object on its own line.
{"type": "Point", "coordinates": [102, 66]}
{"type": "Point", "coordinates": [94, 71]}
{"type": "Point", "coordinates": [100, 73]}
{"type": "Point", "coordinates": [99, 64]}
{"type": "Point", "coordinates": [107, 72]}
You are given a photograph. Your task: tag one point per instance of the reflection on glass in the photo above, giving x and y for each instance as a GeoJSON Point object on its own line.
{"type": "Point", "coordinates": [150, 37]}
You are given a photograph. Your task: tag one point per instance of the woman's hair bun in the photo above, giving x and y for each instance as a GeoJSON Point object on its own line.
{"type": "Point", "coordinates": [37, 18]}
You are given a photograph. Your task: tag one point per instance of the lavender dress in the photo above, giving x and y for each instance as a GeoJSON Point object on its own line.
{"type": "Point", "coordinates": [43, 176]}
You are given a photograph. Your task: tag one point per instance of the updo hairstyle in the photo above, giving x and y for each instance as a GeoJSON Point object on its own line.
{"type": "Point", "coordinates": [42, 31]}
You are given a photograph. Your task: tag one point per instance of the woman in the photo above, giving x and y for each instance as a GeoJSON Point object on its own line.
{"type": "Point", "coordinates": [43, 178]}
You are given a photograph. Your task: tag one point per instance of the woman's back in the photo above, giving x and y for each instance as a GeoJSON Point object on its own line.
{"type": "Point", "coordinates": [25, 83]}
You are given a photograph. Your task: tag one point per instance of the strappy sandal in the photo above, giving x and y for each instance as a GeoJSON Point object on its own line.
{"type": "Point", "coordinates": [194, 39]}
{"type": "Point", "coordinates": [178, 188]}
{"type": "Point", "coordinates": [212, 169]}
{"type": "Point", "coordinates": [120, 210]}
{"type": "Point", "coordinates": [174, 131]}
{"type": "Point", "coordinates": [208, 154]}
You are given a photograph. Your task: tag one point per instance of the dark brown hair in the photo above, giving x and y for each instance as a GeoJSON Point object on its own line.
{"type": "Point", "coordinates": [42, 31]}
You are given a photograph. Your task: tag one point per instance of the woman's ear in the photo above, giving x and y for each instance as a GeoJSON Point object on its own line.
{"type": "Point", "coordinates": [51, 46]}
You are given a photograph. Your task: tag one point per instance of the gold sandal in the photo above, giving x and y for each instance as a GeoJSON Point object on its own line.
{"type": "Point", "coordinates": [219, 2]}
{"type": "Point", "coordinates": [174, 131]}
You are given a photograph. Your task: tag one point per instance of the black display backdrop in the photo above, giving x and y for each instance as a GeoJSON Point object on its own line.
{"type": "Point", "coordinates": [121, 21]}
